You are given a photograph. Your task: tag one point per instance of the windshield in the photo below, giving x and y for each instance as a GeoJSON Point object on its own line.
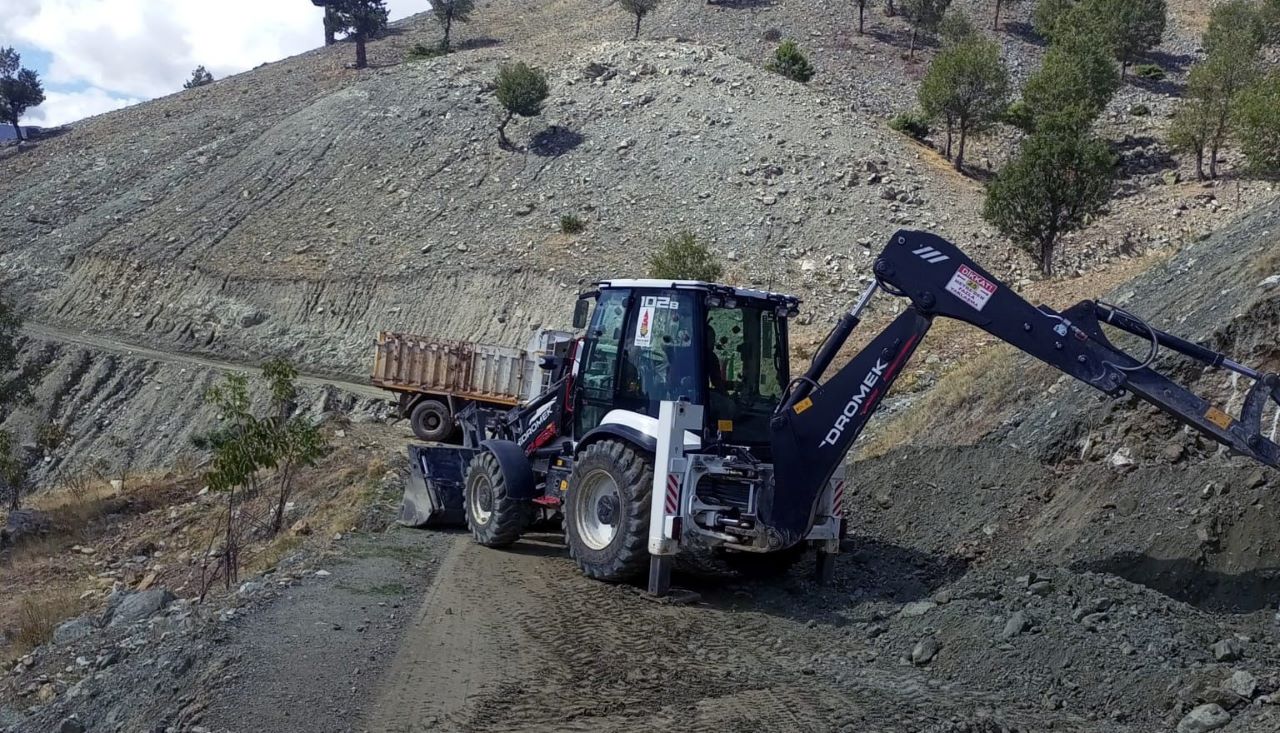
{"type": "Point", "coordinates": [746, 369]}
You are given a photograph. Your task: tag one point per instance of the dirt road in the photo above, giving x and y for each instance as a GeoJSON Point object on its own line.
{"type": "Point", "coordinates": [518, 641]}
{"type": "Point", "coordinates": [45, 332]}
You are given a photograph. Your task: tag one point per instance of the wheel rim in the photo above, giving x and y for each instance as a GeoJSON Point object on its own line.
{"type": "Point", "coordinates": [598, 509]}
{"type": "Point", "coordinates": [481, 500]}
{"type": "Point", "coordinates": [432, 421]}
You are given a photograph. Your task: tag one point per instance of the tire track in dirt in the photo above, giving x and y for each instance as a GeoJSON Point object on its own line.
{"type": "Point", "coordinates": [517, 640]}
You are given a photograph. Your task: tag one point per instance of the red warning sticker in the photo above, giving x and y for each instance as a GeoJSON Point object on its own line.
{"type": "Point", "coordinates": [974, 289]}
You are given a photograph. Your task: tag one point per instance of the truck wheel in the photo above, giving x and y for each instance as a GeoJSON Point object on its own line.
{"type": "Point", "coordinates": [431, 421]}
{"type": "Point", "coordinates": [495, 519]}
{"type": "Point", "coordinates": [606, 512]}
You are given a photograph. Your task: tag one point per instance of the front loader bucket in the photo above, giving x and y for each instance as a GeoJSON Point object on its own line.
{"type": "Point", "coordinates": [433, 493]}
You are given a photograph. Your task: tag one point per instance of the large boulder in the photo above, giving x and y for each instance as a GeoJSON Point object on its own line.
{"type": "Point", "coordinates": [23, 524]}
{"type": "Point", "coordinates": [134, 607]}
{"type": "Point", "coordinates": [73, 630]}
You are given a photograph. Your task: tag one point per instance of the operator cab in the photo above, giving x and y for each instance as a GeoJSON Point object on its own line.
{"type": "Point", "coordinates": [721, 347]}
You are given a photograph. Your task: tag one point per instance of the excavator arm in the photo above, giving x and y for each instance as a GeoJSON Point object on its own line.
{"type": "Point", "coordinates": [817, 421]}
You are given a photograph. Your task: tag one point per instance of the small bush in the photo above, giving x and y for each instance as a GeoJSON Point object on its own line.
{"type": "Point", "coordinates": [914, 124]}
{"type": "Point", "coordinates": [1140, 110]}
{"type": "Point", "coordinates": [422, 51]}
{"type": "Point", "coordinates": [571, 224]}
{"type": "Point", "coordinates": [683, 257]}
{"type": "Point", "coordinates": [773, 35]}
{"type": "Point", "coordinates": [791, 63]}
{"type": "Point", "coordinates": [1020, 115]}
{"type": "Point", "coordinates": [1150, 72]}
{"type": "Point", "coordinates": [40, 614]}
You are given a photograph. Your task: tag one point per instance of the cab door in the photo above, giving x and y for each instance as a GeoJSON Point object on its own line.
{"type": "Point", "coordinates": [598, 378]}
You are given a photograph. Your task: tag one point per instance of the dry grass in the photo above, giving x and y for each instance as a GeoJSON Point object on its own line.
{"type": "Point", "coordinates": [38, 614]}
{"type": "Point", "coordinates": [987, 382]}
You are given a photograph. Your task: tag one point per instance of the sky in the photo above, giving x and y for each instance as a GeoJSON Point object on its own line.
{"type": "Point", "coordinates": [98, 55]}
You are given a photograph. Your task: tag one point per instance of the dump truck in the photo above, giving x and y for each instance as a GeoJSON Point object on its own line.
{"type": "Point", "coordinates": [437, 378]}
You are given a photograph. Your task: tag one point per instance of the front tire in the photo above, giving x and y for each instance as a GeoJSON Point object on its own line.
{"type": "Point", "coordinates": [431, 421]}
{"type": "Point", "coordinates": [494, 518]}
{"type": "Point", "coordinates": [607, 511]}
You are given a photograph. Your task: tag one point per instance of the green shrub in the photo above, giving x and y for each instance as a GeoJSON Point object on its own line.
{"type": "Point", "coordinates": [773, 35]}
{"type": "Point", "coordinates": [791, 63]}
{"type": "Point", "coordinates": [1140, 110]}
{"type": "Point", "coordinates": [1020, 115]}
{"type": "Point", "coordinates": [571, 224]}
{"type": "Point", "coordinates": [1150, 72]}
{"type": "Point", "coordinates": [422, 51]}
{"type": "Point", "coordinates": [915, 124]}
{"type": "Point", "coordinates": [683, 257]}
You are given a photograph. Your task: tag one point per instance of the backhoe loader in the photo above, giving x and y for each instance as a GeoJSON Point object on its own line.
{"type": "Point", "coordinates": [673, 421]}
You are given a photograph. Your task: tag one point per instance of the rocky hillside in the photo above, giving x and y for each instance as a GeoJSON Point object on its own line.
{"type": "Point", "coordinates": [300, 207]}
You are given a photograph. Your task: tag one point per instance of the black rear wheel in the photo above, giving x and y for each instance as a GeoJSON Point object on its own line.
{"type": "Point", "coordinates": [494, 518]}
{"type": "Point", "coordinates": [606, 512]}
{"type": "Point", "coordinates": [431, 421]}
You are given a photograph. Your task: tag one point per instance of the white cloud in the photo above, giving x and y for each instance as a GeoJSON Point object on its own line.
{"type": "Point", "coordinates": [140, 49]}
{"type": "Point", "coordinates": [59, 108]}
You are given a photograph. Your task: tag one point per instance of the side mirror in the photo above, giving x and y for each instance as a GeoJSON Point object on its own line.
{"type": "Point", "coordinates": [580, 311]}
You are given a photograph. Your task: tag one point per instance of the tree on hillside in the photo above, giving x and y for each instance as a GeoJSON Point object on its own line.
{"type": "Point", "coordinates": [956, 28]}
{"type": "Point", "coordinates": [20, 89]}
{"type": "Point", "coordinates": [361, 20]}
{"type": "Point", "coordinates": [1131, 27]}
{"type": "Point", "coordinates": [521, 89]}
{"type": "Point", "coordinates": [683, 257]}
{"type": "Point", "coordinates": [1059, 179]}
{"type": "Point", "coordinates": [1204, 122]}
{"type": "Point", "coordinates": [1072, 86]}
{"type": "Point", "coordinates": [924, 16]}
{"type": "Point", "coordinates": [790, 62]}
{"type": "Point", "coordinates": [638, 8]}
{"type": "Point", "coordinates": [1000, 5]}
{"type": "Point", "coordinates": [199, 78]}
{"type": "Point", "coordinates": [1047, 13]}
{"type": "Point", "coordinates": [448, 11]}
{"type": "Point", "coordinates": [1190, 132]}
{"type": "Point", "coordinates": [967, 86]}
{"type": "Point", "coordinates": [1257, 116]}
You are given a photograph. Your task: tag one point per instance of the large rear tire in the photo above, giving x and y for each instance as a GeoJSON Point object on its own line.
{"type": "Point", "coordinates": [606, 513]}
{"type": "Point", "coordinates": [431, 421]}
{"type": "Point", "coordinates": [494, 518]}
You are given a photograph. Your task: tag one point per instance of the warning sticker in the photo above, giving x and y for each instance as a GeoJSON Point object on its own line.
{"type": "Point", "coordinates": [644, 327]}
{"type": "Point", "coordinates": [972, 288]}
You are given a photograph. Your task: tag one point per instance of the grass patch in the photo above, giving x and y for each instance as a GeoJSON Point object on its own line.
{"type": "Point", "coordinates": [571, 224]}
{"type": "Point", "coordinates": [38, 615]}
{"type": "Point", "coordinates": [421, 51]}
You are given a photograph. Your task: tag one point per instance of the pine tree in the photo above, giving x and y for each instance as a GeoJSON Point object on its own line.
{"type": "Point", "coordinates": [924, 16]}
{"type": "Point", "coordinates": [521, 89]}
{"type": "Point", "coordinates": [20, 89]}
{"type": "Point", "coordinates": [967, 86]}
{"type": "Point", "coordinates": [1130, 27]}
{"type": "Point", "coordinates": [199, 78]}
{"type": "Point", "coordinates": [638, 8]}
{"type": "Point", "coordinates": [1073, 86]}
{"type": "Point", "coordinates": [361, 20]}
{"type": "Point", "coordinates": [1059, 179]}
{"type": "Point", "coordinates": [449, 11]}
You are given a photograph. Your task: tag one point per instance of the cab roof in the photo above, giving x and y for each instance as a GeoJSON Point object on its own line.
{"type": "Point", "coordinates": [790, 301]}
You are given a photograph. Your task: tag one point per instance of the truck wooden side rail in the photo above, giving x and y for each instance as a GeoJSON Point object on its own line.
{"type": "Point", "coordinates": [437, 377]}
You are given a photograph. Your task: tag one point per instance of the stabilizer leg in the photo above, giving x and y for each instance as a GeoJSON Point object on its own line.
{"type": "Point", "coordinates": [660, 574]}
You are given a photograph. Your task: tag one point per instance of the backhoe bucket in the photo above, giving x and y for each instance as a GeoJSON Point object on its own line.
{"type": "Point", "coordinates": [433, 493]}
